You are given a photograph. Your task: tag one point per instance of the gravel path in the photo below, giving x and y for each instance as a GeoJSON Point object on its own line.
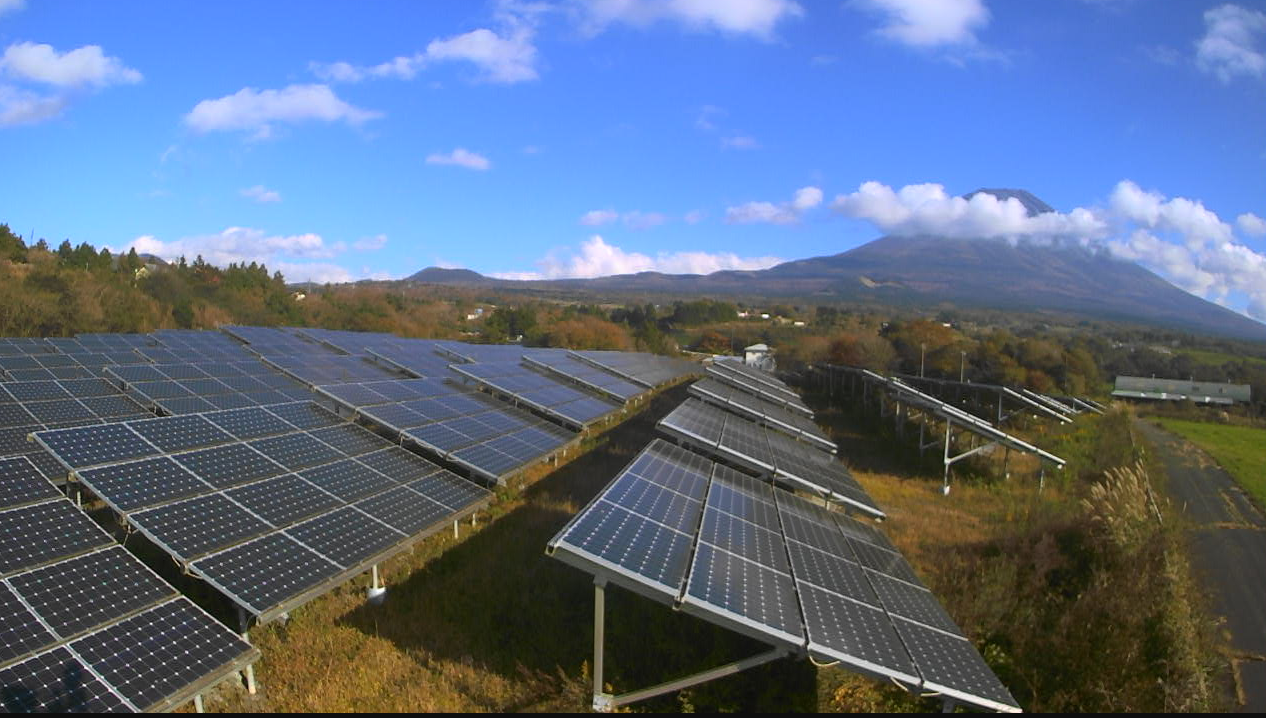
{"type": "Point", "coordinates": [1229, 551]}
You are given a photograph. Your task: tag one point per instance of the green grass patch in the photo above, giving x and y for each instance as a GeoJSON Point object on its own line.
{"type": "Point", "coordinates": [1241, 450]}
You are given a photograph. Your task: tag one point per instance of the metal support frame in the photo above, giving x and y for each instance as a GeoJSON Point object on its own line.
{"type": "Point", "coordinates": [950, 460]}
{"type": "Point", "coordinates": [376, 592]}
{"type": "Point", "coordinates": [248, 673]}
{"type": "Point", "coordinates": [605, 702]}
{"type": "Point", "coordinates": [197, 704]}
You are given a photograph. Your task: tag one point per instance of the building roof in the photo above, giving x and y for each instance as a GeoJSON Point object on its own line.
{"type": "Point", "coordinates": [1138, 387]}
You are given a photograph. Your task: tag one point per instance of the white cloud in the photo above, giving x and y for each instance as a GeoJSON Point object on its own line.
{"type": "Point", "coordinates": [370, 244]}
{"type": "Point", "coordinates": [10, 5]}
{"type": "Point", "coordinates": [695, 216]}
{"type": "Point", "coordinates": [21, 107]}
{"type": "Point", "coordinates": [461, 158]}
{"type": "Point", "coordinates": [596, 258]}
{"type": "Point", "coordinates": [260, 193]}
{"type": "Point", "coordinates": [1251, 224]}
{"type": "Point", "coordinates": [929, 23]}
{"type": "Point", "coordinates": [598, 217]}
{"type": "Point", "coordinates": [633, 220]}
{"type": "Point", "coordinates": [926, 209]}
{"type": "Point", "coordinates": [86, 66]}
{"type": "Point", "coordinates": [505, 55]}
{"type": "Point", "coordinates": [251, 109]}
{"type": "Point", "coordinates": [1153, 211]}
{"type": "Point", "coordinates": [740, 142]}
{"type": "Point", "coordinates": [1233, 43]}
{"type": "Point", "coordinates": [239, 244]}
{"type": "Point", "coordinates": [320, 273]}
{"type": "Point", "coordinates": [805, 198]}
{"type": "Point", "coordinates": [756, 18]}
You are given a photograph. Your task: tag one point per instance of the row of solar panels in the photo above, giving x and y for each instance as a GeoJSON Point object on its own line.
{"type": "Point", "coordinates": [269, 505]}
{"type": "Point", "coordinates": [761, 411]}
{"type": "Point", "coordinates": [740, 553]}
{"type": "Point", "coordinates": [86, 626]}
{"type": "Point", "coordinates": [734, 438]}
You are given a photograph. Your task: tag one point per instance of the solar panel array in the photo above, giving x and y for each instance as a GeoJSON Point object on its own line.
{"type": "Point", "coordinates": [539, 391]}
{"type": "Point", "coordinates": [197, 387]}
{"type": "Point", "coordinates": [770, 453]}
{"type": "Point", "coordinates": [487, 436]}
{"type": "Point", "coordinates": [86, 626]}
{"type": "Point", "coordinates": [646, 369]}
{"type": "Point", "coordinates": [766, 413]}
{"type": "Point", "coordinates": [739, 376]}
{"type": "Point", "coordinates": [272, 506]}
{"type": "Point", "coordinates": [587, 375]}
{"type": "Point", "coordinates": [735, 551]}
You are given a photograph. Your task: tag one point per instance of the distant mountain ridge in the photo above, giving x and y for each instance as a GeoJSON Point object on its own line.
{"type": "Point", "coordinates": [928, 270]}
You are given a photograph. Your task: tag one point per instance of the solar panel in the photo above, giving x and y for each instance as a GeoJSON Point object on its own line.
{"type": "Point", "coordinates": [25, 391]}
{"type": "Point", "coordinates": [60, 410]}
{"type": "Point", "coordinates": [180, 433]}
{"type": "Point", "coordinates": [267, 573]}
{"type": "Point", "coordinates": [139, 484]}
{"type": "Point", "coordinates": [86, 446]}
{"type": "Point", "coordinates": [250, 423]}
{"type": "Point", "coordinates": [34, 535]}
{"type": "Point", "coordinates": [404, 510]}
{"type": "Point", "coordinates": [77, 595]}
{"type": "Point", "coordinates": [399, 464]}
{"type": "Point", "coordinates": [153, 657]}
{"type": "Point", "coordinates": [200, 525]}
{"type": "Point", "coordinates": [351, 439]}
{"type": "Point", "coordinates": [22, 630]}
{"type": "Point", "coordinates": [230, 465]}
{"type": "Point", "coordinates": [776, 567]}
{"type": "Point", "coordinates": [305, 415]}
{"type": "Point", "coordinates": [283, 500]}
{"type": "Point", "coordinates": [57, 682]}
{"type": "Point", "coordinates": [346, 536]}
{"type": "Point", "coordinates": [449, 489]}
{"type": "Point", "coordinates": [348, 479]}
{"type": "Point", "coordinates": [21, 483]}
{"type": "Point", "coordinates": [114, 407]}
{"type": "Point", "coordinates": [296, 451]}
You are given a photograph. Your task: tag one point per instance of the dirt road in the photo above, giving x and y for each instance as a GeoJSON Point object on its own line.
{"type": "Point", "coordinates": [1229, 552]}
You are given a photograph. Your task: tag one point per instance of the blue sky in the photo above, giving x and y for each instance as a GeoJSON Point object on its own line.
{"type": "Point", "coordinates": [371, 139]}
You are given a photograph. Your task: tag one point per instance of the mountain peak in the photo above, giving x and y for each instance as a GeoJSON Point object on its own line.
{"type": "Point", "coordinates": [1031, 203]}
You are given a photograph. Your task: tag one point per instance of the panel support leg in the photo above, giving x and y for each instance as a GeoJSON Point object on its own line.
{"type": "Point", "coordinates": [197, 704]}
{"type": "Point", "coordinates": [249, 675]}
{"type": "Point", "coordinates": [945, 481]}
{"type": "Point", "coordinates": [601, 700]}
{"type": "Point", "coordinates": [455, 534]}
{"type": "Point", "coordinates": [377, 591]}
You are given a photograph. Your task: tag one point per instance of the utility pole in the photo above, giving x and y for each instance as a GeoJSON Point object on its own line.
{"type": "Point", "coordinates": [962, 367]}
{"type": "Point", "coordinates": [923, 349]}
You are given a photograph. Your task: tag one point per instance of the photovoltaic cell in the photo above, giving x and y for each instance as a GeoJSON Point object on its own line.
{"type": "Point", "coordinates": [404, 510]}
{"type": "Point", "coordinates": [159, 653]}
{"type": "Point", "coordinates": [138, 484]}
{"type": "Point", "coordinates": [450, 490]}
{"type": "Point", "coordinates": [21, 630]}
{"type": "Point", "coordinates": [953, 665]}
{"type": "Point", "coordinates": [22, 483]}
{"type": "Point", "coordinates": [633, 544]}
{"type": "Point", "coordinates": [56, 682]}
{"type": "Point", "coordinates": [283, 500]}
{"type": "Point", "coordinates": [859, 635]}
{"type": "Point", "coordinates": [88, 591]}
{"type": "Point", "coordinates": [180, 433]}
{"type": "Point", "coordinates": [33, 535]}
{"type": "Point", "coordinates": [744, 539]}
{"type": "Point", "coordinates": [264, 573]}
{"type": "Point", "coordinates": [249, 423]}
{"type": "Point", "coordinates": [351, 439]}
{"type": "Point", "coordinates": [347, 479]}
{"type": "Point", "coordinates": [755, 594]}
{"type": "Point", "coordinates": [305, 415]}
{"type": "Point", "coordinates": [200, 525]}
{"type": "Point", "coordinates": [346, 536]}
{"type": "Point", "coordinates": [296, 451]}
{"type": "Point", "coordinates": [86, 446]}
{"type": "Point", "coordinates": [229, 465]}
{"type": "Point", "coordinates": [399, 464]}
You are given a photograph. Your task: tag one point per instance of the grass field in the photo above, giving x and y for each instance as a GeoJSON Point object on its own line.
{"type": "Point", "coordinates": [1209, 358]}
{"type": "Point", "coordinates": [1240, 450]}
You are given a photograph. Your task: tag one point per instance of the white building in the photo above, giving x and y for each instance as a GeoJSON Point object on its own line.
{"type": "Point", "coordinates": [759, 356]}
